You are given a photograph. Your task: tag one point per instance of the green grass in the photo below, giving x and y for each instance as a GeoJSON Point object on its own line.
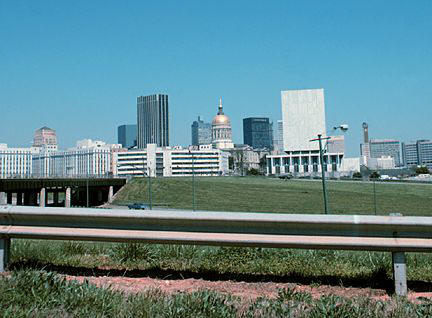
{"type": "Point", "coordinates": [259, 194]}
{"type": "Point", "coordinates": [42, 294]}
{"type": "Point", "coordinates": [347, 268]}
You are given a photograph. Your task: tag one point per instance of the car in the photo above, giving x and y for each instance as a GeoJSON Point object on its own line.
{"type": "Point", "coordinates": [138, 206]}
{"type": "Point", "coordinates": [285, 176]}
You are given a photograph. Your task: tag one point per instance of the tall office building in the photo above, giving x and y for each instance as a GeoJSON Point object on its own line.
{"type": "Point", "coordinates": [384, 148]}
{"type": "Point", "coordinates": [425, 153]}
{"type": "Point", "coordinates": [303, 118]}
{"type": "Point", "coordinates": [417, 153]}
{"type": "Point", "coordinates": [280, 134]}
{"type": "Point", "coordinates": [201, 132]}
{"type": "Point", "coordinates": [152, 120]}
{"type": "Point", "coordinates": [257, 132]}
{"type": "Point", "coordinates": [410, 154]}
{"type": "Point", "coordinates": [127, 135]}
{"type": "Point", "coordinates": [45, 137]}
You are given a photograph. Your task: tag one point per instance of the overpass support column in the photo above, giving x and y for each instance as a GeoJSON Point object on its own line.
{"type": "Point", "coordinates": [9, 197]}
{"type": "Point", "coordinates": [68, 198]}
{"type": "Point", "coordinates": [110, 194]}
{"type": "Point", "coordinates": [4, 253]}
{"type": "Point", "coordinates": [56, 197]}
{"type": "Point", "coordinates": [19, 198]}
{"type": "Point", "coordinates": [399, 273]}
{"type": "Point", "coordinates": [42, 198]}
{"type": "Point", "coordinates": [3, 199]}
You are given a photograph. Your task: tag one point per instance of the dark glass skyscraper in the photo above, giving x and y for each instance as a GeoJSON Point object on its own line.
{"type": "Point", "coordinates": [152, 119]}
{"type": "Point", "coordinates": [127, 135]}
{"type": "Point", "coordinates": [258, 132]}
{"type": "Point", "coordinates": [201, 133]}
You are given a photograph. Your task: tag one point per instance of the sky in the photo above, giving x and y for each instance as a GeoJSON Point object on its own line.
{"type": "Point", "coordinates": [78, 66]}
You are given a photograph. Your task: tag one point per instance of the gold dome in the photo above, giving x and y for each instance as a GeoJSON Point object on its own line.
{"type": "Point", "coordinates": [221, 118]}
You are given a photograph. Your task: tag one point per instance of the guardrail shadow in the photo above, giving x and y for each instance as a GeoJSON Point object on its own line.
{"type": "Point", "coordinates": [377, 279]}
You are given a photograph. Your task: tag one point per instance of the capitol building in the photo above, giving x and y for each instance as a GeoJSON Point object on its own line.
{"type": "Point", "coordinates": [221, 130]}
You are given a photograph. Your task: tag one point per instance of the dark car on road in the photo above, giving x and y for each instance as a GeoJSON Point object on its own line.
{"type": "Point", "coordinates": [138, 206]}
{"type": "Point", "coordinates": [285, 176]}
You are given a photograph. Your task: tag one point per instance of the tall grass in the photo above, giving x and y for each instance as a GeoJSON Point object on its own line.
{"type": "Point", "coordinates": [43, 294]}
{"type": "Point", "coordinates": [349, 268]}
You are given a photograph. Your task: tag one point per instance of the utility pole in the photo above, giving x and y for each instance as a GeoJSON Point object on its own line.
{"type": "Point", "coordinates": [321, 152]}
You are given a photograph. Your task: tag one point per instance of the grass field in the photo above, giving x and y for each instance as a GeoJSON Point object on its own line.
{"type": "Point", "coordinates": [260, 194]}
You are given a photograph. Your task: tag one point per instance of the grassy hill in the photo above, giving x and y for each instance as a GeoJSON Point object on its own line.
{"type": "Point", "coordinates": [259, 194]}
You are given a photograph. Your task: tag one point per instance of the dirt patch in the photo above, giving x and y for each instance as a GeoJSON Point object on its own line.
{"type": "Point", "coordinates": [250, 291]}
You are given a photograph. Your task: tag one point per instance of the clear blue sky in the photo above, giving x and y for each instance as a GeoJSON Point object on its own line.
{"type": "Point", "coordinates": [78, 66]}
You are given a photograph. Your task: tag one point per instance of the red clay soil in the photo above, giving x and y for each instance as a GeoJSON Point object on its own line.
{"type": "Point", "coordinates": [244, 290]}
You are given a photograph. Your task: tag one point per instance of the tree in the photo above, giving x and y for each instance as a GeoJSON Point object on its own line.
{"type": "Point", "coordinates": [422, 170]}
{"type": "Point", "coordinates": [374, 175]}
{"type": "Point", "coordinates": [253, 172]}
{"type": "Point", "coordinates": [357, 175]}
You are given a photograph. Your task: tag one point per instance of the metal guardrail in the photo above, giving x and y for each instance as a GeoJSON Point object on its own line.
{"type": "Point", "coordinates": [396, 234]}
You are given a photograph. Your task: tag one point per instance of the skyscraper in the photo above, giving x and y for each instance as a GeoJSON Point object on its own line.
{"type": "Point", "coordinates": [127, 135]}
{"type": "Point", "coordinates": [152, 120]}
{"type": "Point", "coordinates": [385, 147]}
{"type": "Point", "coordinates": [417, 153]}
{"type": "Point", "coordinates": [303, 118]}
{"type": "Point", "coordinates": [257, 132]}
{"type": "Point", "coordinates": [201, 132]}
{"type": "Point", "coordinates": [45, 138]}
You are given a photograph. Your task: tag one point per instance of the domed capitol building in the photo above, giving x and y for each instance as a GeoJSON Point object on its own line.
{"type": "Point", "coordinates": [221, 130]}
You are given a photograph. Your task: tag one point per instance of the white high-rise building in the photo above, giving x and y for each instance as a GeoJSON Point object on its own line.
{"type": "Point", "coordinates": [303, 118]}
{"type": "Point", "coordinates": [88, 158]}
{"type": "Point", "coordinates": [202, 160]}
{"type": "Point", "coordinates": [16, 162]}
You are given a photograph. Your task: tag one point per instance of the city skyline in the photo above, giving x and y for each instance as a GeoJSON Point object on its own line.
{"type": "Point", "coordinates": [80, 73]}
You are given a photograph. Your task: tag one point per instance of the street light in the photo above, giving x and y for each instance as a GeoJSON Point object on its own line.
{"type": "Point", "coordinates": [193, 180]}
{"type": "Point", "coordinates": [343, 128]}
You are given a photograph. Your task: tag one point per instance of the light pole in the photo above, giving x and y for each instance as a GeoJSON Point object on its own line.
{"type": "Point", "coordinates": [320, 138]}
{"type": "Point", "coordinates": [149, 187]}
{"type": "Point", "coordinates": [193, 180]}
{"type": "Point", "coordinates": [344, 128]}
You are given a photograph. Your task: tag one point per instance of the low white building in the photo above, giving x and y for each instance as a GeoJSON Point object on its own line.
{"type": "Point", "coordinates": [16, 162]}
{"type": "Point", "coordinates": [88, 158]}
{"type": "Point", "coordinates": [384, 162]}
{"type": "Point", "coordinates": [200, 160]}
{"type": "Point", "coordinates": [304, 163]}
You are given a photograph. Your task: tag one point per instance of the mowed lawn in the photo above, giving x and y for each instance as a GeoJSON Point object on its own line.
{"type": "Point", "coordinates": [260, 194]}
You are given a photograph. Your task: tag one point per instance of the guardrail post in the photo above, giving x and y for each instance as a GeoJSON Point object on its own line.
{"type": "Point", "coordinates": [4, 253]}
{"type": "Point", "coordinates": [399, 273]}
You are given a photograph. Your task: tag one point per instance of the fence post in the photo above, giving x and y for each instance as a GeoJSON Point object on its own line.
{"type": "Point", "coordinates": [399, 273]}
{"type": "Point", "coordinates": [399, 268]}
{"type": "Point", "coordinates": [4, 253]}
